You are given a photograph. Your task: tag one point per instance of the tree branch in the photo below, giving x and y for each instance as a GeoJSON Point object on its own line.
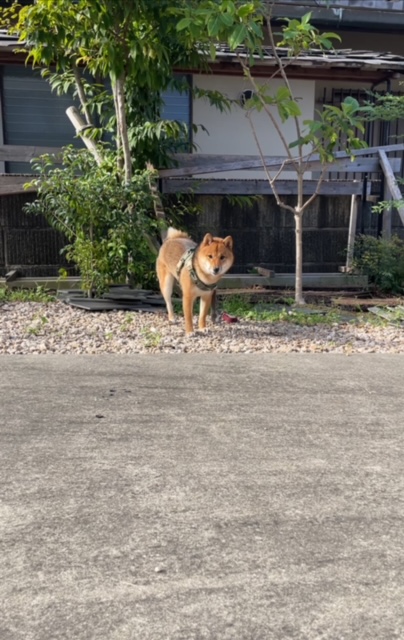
{"type": "Point", "coordinates": [81, 94]}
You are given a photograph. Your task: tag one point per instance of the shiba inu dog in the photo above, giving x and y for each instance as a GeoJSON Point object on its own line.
{"type": "Point", "coordinates": [198, 269]}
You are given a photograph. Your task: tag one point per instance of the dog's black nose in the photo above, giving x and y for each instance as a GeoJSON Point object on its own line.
{"type": "Point", "coordinates": [216, 270]}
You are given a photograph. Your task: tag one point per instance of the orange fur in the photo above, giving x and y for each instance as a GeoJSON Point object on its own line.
{"type": "Point", "coordinates": [212, 259]}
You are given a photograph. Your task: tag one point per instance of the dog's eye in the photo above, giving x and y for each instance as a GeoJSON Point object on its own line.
{"type": "Point", "coordinates": [210, 257]}
{"type": "Point", "coordinates": [222, 257]}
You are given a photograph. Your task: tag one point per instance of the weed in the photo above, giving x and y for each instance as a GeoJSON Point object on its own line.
{"type": "Point", "coordinates": [236, 306]}
{"type": "Point", "coordinates": [126, 324]}
{"type": "Point", "coordinates": [39, 294]}
{"type": "Point", "coordinates": [306, 316]}
{"type": "Point", "coordinates": [152, 337]}
{"type": "Point", "coordinates": [37, 325]}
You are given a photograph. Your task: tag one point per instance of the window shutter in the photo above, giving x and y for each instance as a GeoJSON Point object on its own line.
{"type": "Point", "coordinates": [33, 114]}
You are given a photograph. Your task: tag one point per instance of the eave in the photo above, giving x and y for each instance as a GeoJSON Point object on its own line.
{"type": "Point", "coordinates": [344, 65]}
{"type": "Point", "coordinates": [351, 74]}
{"type": "Point", "coordinates": [383, 16]}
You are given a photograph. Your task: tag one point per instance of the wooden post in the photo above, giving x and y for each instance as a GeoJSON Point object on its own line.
{"type": "Point", "coordinates": [158, 205]}
{"type": "Point", "coordinates": [353, 215]}
{"type": "Point", "coordinates": [387, 213]}
{"type": "Point", "coordinates": [80, 127]}
{"type": "Point", "coordinates": [387, 218]}
{"type": "Point", "coordinates": [392, 186]}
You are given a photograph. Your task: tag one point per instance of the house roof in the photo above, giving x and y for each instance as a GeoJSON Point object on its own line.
{"type": "Point", "coordinates": [348, 64]}
{"type": "Point", "coordinates": [8, 45]}
{"type": "Point", "coordinates": [314, 57]}
{"type": "Point", "coordinates": [6, 39]}
{"type": "Point", "coordinates": [385, 16]}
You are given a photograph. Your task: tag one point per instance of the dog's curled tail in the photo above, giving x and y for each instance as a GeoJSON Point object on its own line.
{"type": "Point", "coordinates": [175, 233]}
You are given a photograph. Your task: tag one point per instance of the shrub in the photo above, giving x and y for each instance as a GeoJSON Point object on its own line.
{"type": "Point", "coordinates": [382, 261]}
{"type": "Point", "coordinates": [105, 221]}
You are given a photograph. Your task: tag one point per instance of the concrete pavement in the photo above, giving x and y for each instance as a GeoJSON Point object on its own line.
{"type": "Point", "coordinates": [188, 497]}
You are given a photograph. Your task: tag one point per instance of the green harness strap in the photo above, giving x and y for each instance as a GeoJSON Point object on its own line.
{"type": "Point", "coordinates": [187, 260]}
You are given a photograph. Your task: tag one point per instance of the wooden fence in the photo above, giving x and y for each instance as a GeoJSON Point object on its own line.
{"type": "Point", "coordinates": [190, 170]}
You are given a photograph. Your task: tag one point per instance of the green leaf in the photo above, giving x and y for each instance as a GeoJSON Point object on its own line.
{"type": "Point", "coordinates": [306, 18]}
{"type": "Point", "coordinates": [294, 109]}
{"type": "Point", "coordinates": [351, 102]}
{"type": "Point", "coordinates": [227, 19]}
{"type": "Point", "coordinates": [238, 36]}
{"type": "Point", "coordinates": [283, 93]}
{"type": "Point", "coordinates": [214, 25]}
{"type": "Point", "coordinates": [245, 10]}
{"type": "Point", "coordinates": [183, 24]}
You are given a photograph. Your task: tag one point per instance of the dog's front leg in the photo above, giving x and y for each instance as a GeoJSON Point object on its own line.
{"type": "Point", "coordinates": [188, 307]}
{"type": "Point", "coordinates": [204, 307]}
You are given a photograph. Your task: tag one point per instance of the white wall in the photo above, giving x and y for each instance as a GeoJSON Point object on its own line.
{"type": "Point", "coordinates": [230, 133]}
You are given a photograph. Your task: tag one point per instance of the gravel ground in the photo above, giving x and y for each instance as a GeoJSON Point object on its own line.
{"type": "Point", "coordinates": [38, 328]}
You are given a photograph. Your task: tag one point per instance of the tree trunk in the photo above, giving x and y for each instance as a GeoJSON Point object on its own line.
{"type": "Point", "coordinates": [80, 127]}
{"type": "Point", "coordinates": [299, 299]}
{"type": "Point", "coordinates": [82, 95]}
{"type": "Point", "coordinates": [123, 127]}
{"type": "Point", "coordinates": [120, 106]}
{"type": "Point", "coordinates": [118, 132]}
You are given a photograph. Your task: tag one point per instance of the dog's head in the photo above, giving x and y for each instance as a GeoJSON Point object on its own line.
{"type": "Point", "coordinates": [216, 254]}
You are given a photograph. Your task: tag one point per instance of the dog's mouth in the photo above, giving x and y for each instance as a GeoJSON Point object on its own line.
{"type": "Point", "coordinates": [217, 270]}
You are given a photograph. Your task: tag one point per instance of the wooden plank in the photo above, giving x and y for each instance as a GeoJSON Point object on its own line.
{"type": "Point", "coordinates": [391, 180]}
{"type": "Point", "coordinates": [7, 190]}
{"type": "Point", "coordinates": [287, 280]}
{"type": "Point", "coordinates": [265, 272]}
{"type": "Point", "coordinates": [365, 303]}
{"type": "Point", "coordinates": [243, 280]}
{"type": "Point", "coordinates": [11, 184]}
{"type": "Point", "coordinates": [15, 178]}
{"type": "Point", "coordinates": [217, 186]}
{"type": "Point", "coordinates": [24, 153]}
{"type": "Point", "coordinates": [353, 215]}
{"type": "Point", "coordinates": [188, 159]}
{"type": "Point", "coordinates": [388, 315]}
{"type": "Point", "coordinates": [229, 281]}
{"type": "Point", "coordinates": [12, 275]}
{"type": "Point", "coordinates": [196, 164]}
{"type": "Point", "coordinates": [365, 165]}
{"type": "Point", "coordinates": [42, 281]}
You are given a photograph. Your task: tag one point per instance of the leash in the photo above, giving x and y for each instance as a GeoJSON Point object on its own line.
{"type": "Point", "coordinates": [187, 260]}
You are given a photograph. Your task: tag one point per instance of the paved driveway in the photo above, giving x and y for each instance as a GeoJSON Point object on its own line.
{"type": "Point", "coordinates": [187, 497]}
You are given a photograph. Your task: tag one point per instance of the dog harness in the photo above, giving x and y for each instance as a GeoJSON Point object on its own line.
{"type": "Point", "coordinates": [187, 260]}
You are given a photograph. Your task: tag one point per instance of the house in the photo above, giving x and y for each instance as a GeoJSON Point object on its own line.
{"type": "Point", "coordinates": [370, 56]}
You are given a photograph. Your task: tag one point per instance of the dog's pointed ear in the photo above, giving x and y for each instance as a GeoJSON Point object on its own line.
{"type": "Point", "coordinates": [228, 242]}
{"type": "Point", "coordinates": [208, 239]}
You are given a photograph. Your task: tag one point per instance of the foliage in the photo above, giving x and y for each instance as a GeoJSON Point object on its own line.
{"type": "Point", "coordinates": [301, 35]}
{"type": "Point", "coordinates": [105, 222]}
{"type": "Point", "coordinates": [38, 294]}
{"type": "Point", "coordinates": [240, 307]}
{"type": "Point", "coordinates": [382, 260]}
{"type": "Point", "coordinates": [386, 107]}
{"type": "Point", "coordinates": [386, 205]}
{"type": "Point", "coordinates": [242, 26]}
{"type": "Point", "coordinates": [242, 23]}
{"type": "Point", "coordinates": [117, 58]}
